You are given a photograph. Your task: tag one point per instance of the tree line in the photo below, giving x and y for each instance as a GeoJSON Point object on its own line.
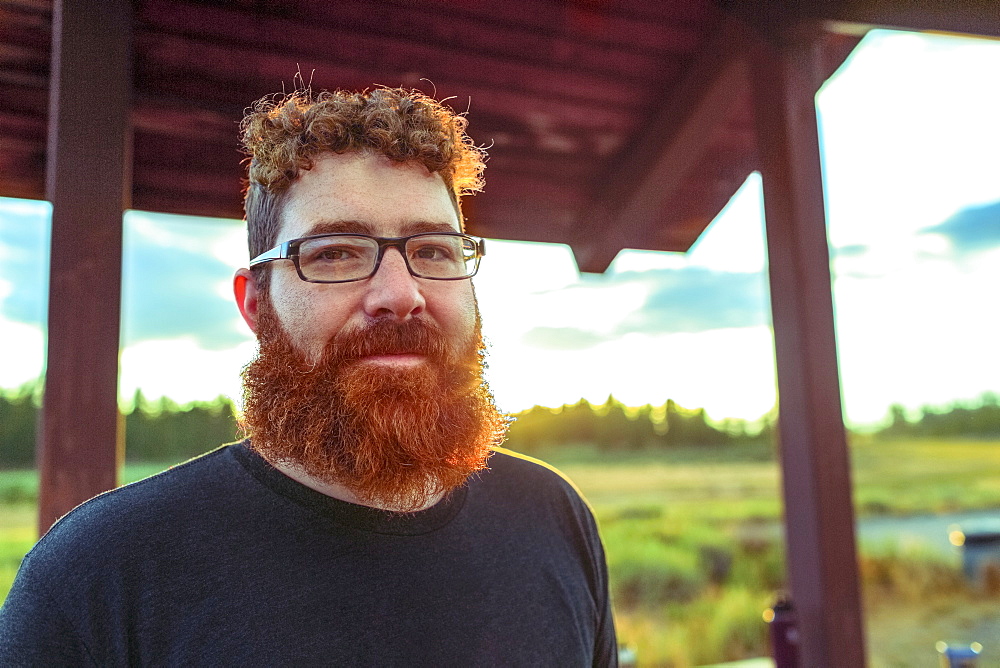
{"type": "Point", "coordinates": [163, 431]}
{"type": "Point", "coordinates": [979, 419]}
{"type": "Point", "coordinates": [613, 426]}
{"type": "Point", "coordinates": [155, 431]}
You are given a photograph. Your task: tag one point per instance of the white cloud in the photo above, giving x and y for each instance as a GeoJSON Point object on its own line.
{"type": "Point", "coordinates": [183, 370]}
{"type": "Point", "coordinates": [926, 334]}
{"type": "Point", "coordinates": [23, 353]}
{"type": "Point", "coordinates": [910, 134]}
{"type": "Point", "coordinates": [729, 371]}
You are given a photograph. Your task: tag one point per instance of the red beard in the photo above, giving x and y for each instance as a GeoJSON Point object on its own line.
{"type": "Point", "coordinates": [393, 437]}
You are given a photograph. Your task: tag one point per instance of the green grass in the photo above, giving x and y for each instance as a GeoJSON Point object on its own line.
{"type": "Point", "coordinates": [933, 476]}
{"type": "Point", "coordinates": [18, 487]}
{"type": "Point", "coordinates": [694, 557]}
{"type": "Point", "coordinates": [17, 535]}
{"type": "Point", "coordinates": [694, 554]}
{"type": "Point", "coordinates": [18, 507]}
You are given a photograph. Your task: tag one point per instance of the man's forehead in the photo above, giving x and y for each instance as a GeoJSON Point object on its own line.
{"type": "Point", "coordinates": [367, 194]}
{"type": "Point", "coordinates": [356, 168]}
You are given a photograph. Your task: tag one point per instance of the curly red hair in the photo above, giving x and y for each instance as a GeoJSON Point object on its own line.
{"type": "Point", "coordinates": [283, 134]}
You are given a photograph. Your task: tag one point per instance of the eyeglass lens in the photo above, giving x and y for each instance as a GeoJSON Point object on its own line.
{"type": "Point", "coordinates": [345, 258]}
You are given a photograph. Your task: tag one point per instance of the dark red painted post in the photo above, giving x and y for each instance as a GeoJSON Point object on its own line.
{"type": "Point", "coordinates": [88, 180]}
{"type": "Point", "coordinates": [819, 516]}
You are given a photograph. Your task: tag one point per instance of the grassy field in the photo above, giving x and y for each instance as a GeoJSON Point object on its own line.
{"type": "Point", "coordinates": [695, 557]}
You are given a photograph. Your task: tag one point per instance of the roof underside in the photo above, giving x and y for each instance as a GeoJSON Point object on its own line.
{"type": "Point", "coordinates": [610, 124]}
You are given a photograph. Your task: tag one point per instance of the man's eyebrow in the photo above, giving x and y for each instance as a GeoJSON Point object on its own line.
{"type": "Point", "coordinates": [427, 226]}
{"type": "Point", "coordinates": [360, 227]}
{"type": "Point", "coordinates": [339, 226]}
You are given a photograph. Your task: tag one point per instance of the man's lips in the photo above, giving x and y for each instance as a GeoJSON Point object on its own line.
{"type": "Point", "coordinates": [395, 358]}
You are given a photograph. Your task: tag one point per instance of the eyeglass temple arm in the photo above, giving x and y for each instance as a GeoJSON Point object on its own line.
{"type": "Point", "coordinates": [277, 253]}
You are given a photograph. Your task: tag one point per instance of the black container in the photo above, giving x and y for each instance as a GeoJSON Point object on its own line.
{"type": "Point", "coordinates": [784, 634]}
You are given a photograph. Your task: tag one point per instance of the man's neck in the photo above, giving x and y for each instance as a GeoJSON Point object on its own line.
{"type": "Point", "coordinates": [342, 493]}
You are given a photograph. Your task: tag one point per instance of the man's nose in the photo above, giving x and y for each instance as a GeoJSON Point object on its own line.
{"type": "Point", "coordinates": [392, 290]}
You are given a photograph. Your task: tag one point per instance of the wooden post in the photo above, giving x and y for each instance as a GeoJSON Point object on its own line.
{"type": "Point", "coordinates": [88, 179]}
{"type": "Point", "coordinates": [819, 515]}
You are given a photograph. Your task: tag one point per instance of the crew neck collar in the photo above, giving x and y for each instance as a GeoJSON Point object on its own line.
{"type": "Point", "coordinates": [343, 513]}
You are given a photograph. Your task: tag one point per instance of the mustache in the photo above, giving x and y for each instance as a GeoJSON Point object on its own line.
{"type": "Point", "coordinates": [389, 337]}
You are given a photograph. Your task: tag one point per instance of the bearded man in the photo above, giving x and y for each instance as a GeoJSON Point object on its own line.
{"type": "Point", "coordinates": [371, 517]}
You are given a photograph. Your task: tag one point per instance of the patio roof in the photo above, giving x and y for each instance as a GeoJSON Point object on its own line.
{"type": "Point", "coordinates": [609, 125]}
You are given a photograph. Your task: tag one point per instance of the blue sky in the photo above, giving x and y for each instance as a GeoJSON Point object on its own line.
{"type": "Point", "coordinates": [912, 164]}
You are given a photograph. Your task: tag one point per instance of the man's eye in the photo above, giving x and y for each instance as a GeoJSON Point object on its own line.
{"type": "Point", "coordinates": [429, 252]}
{"type": "Point", "coordinates": [333, 254]}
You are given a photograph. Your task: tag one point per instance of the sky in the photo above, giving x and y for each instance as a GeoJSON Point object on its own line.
{"type": "Point", "coordinates": [911, 150]}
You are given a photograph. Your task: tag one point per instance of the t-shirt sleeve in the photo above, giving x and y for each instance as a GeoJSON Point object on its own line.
{"type": "Point", "coordinates": [545, 486]}
{"type": "Point", "coordinates": [33, 631]}
{"type": "Point", "coordinates": [606, 641]}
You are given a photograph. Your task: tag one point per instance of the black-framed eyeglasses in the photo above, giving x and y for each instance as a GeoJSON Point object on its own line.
{"type": "Point", "coordinates": [341, 258]}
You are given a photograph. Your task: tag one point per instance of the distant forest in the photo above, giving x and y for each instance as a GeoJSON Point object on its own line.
{"type": "Point", "coordinates": [155, 431]}
{"type": "Point", "coordinates": [163, 431]}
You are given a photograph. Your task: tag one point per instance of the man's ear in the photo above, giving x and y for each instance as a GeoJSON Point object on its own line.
{"type": "Point", "coordinates": [245, 291]}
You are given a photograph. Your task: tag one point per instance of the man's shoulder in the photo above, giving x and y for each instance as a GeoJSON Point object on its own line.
{"type": "Point", "coordinates": [508, 462]}
{"type": "Point", "coordinates": [187, 477]}
{"type": "Point", "coordinates": [89, 576]}
{"type": "Point", "coordinates": [165, 498]}
{"type": "Point", "coordinates": [530, 477]}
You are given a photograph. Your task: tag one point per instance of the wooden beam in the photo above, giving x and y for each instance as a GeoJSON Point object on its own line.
{"type": "Point", "coordinates": [649, 170]}
{"type": "Point", "coordinates": [971, 17]}
{"type": "Point", "coordinates": [87, 181]}
{"type": "Point", "coordinates": [855, 17]}
{"type": "Point", "coordinates": [250, 71]}
{"type": "Point", "coordinates": [284, 40]}
{"type": "Point", "coordinates": [819, 516]}
{"type": "Point", "coordinates": [531, 34]}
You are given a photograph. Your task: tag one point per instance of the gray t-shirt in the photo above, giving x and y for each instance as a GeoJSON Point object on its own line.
{"type": "Point", "coordinates": [224, 560]}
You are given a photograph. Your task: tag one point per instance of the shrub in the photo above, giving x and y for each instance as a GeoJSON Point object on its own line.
{"type": "Point", "coordinates": [908, 575]}
{"type": "Point", "coordinates": [648, 572]}
{"type": "Point", "coordinates": [735, 628]}
{"type": "Point", "coordinates": [759, 562]}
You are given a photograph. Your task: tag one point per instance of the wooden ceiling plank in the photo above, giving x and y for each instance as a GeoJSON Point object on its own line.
{"type": "Point", "coordinates": [297, 39]}
{"type": "Point", "coordinates": [29, 7]}
{"type": "Point", "coordinates": [244, 62]}
{"type": "Point", "coordinates": [570, 169]}
{"type": "Point", "coordinates": [476, 34]}
{"type": "Point", "coordinates": [23, 95]}
{"type": "Point", "coordinates": [19, 126]}
{"type": "Point", "coordinates": [655, 35]}
{"type": "Point", "coordinates": [20, 79]}
{"type": "Point", "coordinates": [194, 124]}
{"type": "Point", "coordinates": [655, 164]}
{"type": "Point", "coordinates": [238, 69]}
{"type": "Point", "coordinates": [26, 29]}
{"type": "Point", "coordinates": [194, 183]}
{"type": "Point", "coordinates": [185, 157]}
{"type": "Point", "coordinates": [25, 57]}
{"type": "Point", "coordinates": [173, 201]}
